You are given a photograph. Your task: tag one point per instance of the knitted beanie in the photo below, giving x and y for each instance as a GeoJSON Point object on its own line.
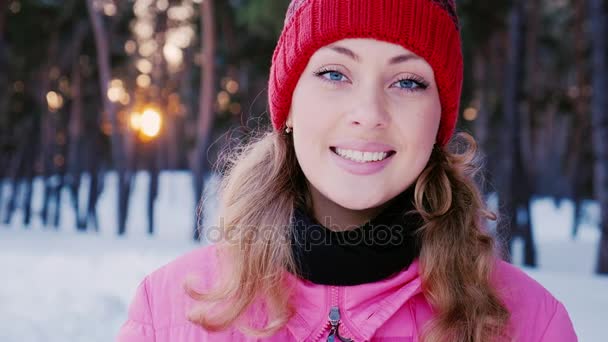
{"type": "Point", "coordinates": [428, 28]}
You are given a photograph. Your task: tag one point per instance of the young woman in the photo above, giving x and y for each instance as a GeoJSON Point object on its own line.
{"type": "Point", "coordinates": [353, 219]}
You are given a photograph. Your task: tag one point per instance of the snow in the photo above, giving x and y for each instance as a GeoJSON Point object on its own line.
{"type": "Point", "coordinates": [69, 286]}
{"type": "Point", "coordinates": [585, 298]}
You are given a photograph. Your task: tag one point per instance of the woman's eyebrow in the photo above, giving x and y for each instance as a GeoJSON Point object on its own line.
{"type": "Point", "coordinates": [403, 58]}
{"type": "Point", "coordinates": [344, 51]}
{"type": "Point", "coordinates": [347, 52]}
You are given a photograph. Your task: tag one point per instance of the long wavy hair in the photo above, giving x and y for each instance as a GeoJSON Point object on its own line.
{"type": "Point", "coordinates": [259, 190]}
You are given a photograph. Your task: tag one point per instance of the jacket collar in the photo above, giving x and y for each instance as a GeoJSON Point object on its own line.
{"type": "Point", "coordinates": [363, 308]}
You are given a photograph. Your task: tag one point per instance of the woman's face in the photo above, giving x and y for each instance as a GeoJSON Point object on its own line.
{"type": "Point", "coordinates": [365, 115]}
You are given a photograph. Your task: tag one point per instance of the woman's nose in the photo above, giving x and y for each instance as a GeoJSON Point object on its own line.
{"type": "Point", "coordinates": [370, 110]}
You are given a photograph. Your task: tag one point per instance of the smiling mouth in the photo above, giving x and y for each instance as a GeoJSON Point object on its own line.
{"type": "Point", "coordinates": [361, 156]}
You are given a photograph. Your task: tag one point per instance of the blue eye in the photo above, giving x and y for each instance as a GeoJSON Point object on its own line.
{"type": "Point", "coordinates": [412, 84]}
{"type": "Point", "coordinates": [408, 84]}
{"type": "Point", "coordinates": [334, 76]}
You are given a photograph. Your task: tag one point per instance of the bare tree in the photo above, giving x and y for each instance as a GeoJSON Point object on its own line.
{"type": "Point", "coordinates": [119, 157]}
{"type": "Point", "coordinates": [514, 186]}
{"type": "Point", "coordinates": [206, 114]}
{"type": "Point", "coordinates": [4, 96]}
{"type": "Point", "coordinates": [3, 65]}
{"type": "Point", "coordinates": [3, 10]}
{"type": "Point", "coordinates": [42, 82]}
{"type": "Point", "coordinates": [599, 118]}
{"type": "Point", "coordinates": [75, 132]}
{"type": "Point", "coordinates": [20, 167]}
{"type": "Point", "coordinates": [510, 137]}
{"type": "Point", "coordinates": [576, 173]}
{"type": "Point", "coordinates": [481, 75]}
{"type": "Point", "coordinates": [524, 167]}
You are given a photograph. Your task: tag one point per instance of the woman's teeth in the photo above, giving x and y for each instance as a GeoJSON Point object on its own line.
{"type": "Point", "coordinates": [361, 157]}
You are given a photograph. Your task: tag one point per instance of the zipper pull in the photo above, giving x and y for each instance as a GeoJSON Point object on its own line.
{"type": "Point", "coordinates": [334, 321]}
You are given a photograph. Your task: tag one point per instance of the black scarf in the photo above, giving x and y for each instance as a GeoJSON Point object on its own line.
{"type": "Point", "coordinates": [381, 247]}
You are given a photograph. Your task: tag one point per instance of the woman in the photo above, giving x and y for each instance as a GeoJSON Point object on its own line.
{"type": "Point", "coordinates": [352, 220]}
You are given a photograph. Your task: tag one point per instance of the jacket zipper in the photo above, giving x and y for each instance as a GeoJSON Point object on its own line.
{"type": "Point", "coordinates": [333, 321]}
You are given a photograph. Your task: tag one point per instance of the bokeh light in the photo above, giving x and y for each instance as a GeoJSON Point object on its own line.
{"type": "Point", "coordinates": [150, 123]}
{"type": "Point", "coordinates": [54, 100]}
{"type": "Point", "coordinates": [143, 81]}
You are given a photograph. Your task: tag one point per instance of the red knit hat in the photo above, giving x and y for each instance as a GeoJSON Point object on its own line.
{"type": "Point", "coordinates": [428, 28]}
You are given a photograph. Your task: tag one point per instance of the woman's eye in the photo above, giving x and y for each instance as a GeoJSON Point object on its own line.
{"type": "Point", "coordinates": [410, 84]}
{"type": "Point", "coordinates": [332, 75]}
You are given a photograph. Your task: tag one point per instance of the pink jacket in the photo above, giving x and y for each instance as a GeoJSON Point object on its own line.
{"type": "Point", "coordinates": [390, 310]}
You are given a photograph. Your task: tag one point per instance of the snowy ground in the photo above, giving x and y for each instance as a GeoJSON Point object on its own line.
{"type": "Point", "coordinates": [65, 286]}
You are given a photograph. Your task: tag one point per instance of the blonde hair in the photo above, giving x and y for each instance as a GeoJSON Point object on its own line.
{"type": "Point", "coordinates": [263, 183]}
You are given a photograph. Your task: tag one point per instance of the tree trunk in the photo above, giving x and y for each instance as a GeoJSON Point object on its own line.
{"type": "Point", "coordinates": [4, 79]}
{"type": "Point", "coordinates": [207, 92]}
{"type": "Point", "coordinates": [28, 186]}
{"type": "Point", "coordinates": [525, 170]}
{"type": "Point", "coordinates": [498, 48]}
{"type": "Point", "coordinates": [41, 84]}
{"type": "Point", "coordinates": [177, 110]}
{"type": "Point", "coordinates": [578, 140]}
{"type": "Point", "coordinates": [528, 236]}
{"type": "Point", "coordinates": [510, 137]}
{"type": "Point", "coordinates": [482, 76]}
{"type": "Point", "coordinates": [152, 156]}
{"type": "Point", "coordinates": [118, 156]}
{"type": "Point", "coordinates": [599, 118]}
{"type": "Point", "coordinates": [17, 164]}
{"type": "Point", "coordinates": [75, 128]}
{"type": "Point", "coordinates": [96, 180]}
{"type": "Point", "coordinates": [11, 204]}
{"type": "Point", "coordinates": [3, 10]}
{"type": "Point", "coordinates": [59, 185]}
{"type": "Point", "coordinates": [481, 101]}
{"type": "Point", "coordinates": [33, 145]}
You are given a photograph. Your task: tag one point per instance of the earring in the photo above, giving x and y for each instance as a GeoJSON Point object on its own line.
{"type": "Point", "coordinates": [287, 129]}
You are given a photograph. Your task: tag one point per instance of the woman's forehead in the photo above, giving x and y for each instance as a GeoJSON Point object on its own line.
{"type": "Point", "coordinates": [366, 50]}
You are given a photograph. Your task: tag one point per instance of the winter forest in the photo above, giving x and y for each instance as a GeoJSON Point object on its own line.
{"type": "Point", "coordinates": [114, 115]}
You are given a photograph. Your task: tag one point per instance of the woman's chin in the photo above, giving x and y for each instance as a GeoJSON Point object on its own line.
{"type": "Point", "coordinates": [359, 201]}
